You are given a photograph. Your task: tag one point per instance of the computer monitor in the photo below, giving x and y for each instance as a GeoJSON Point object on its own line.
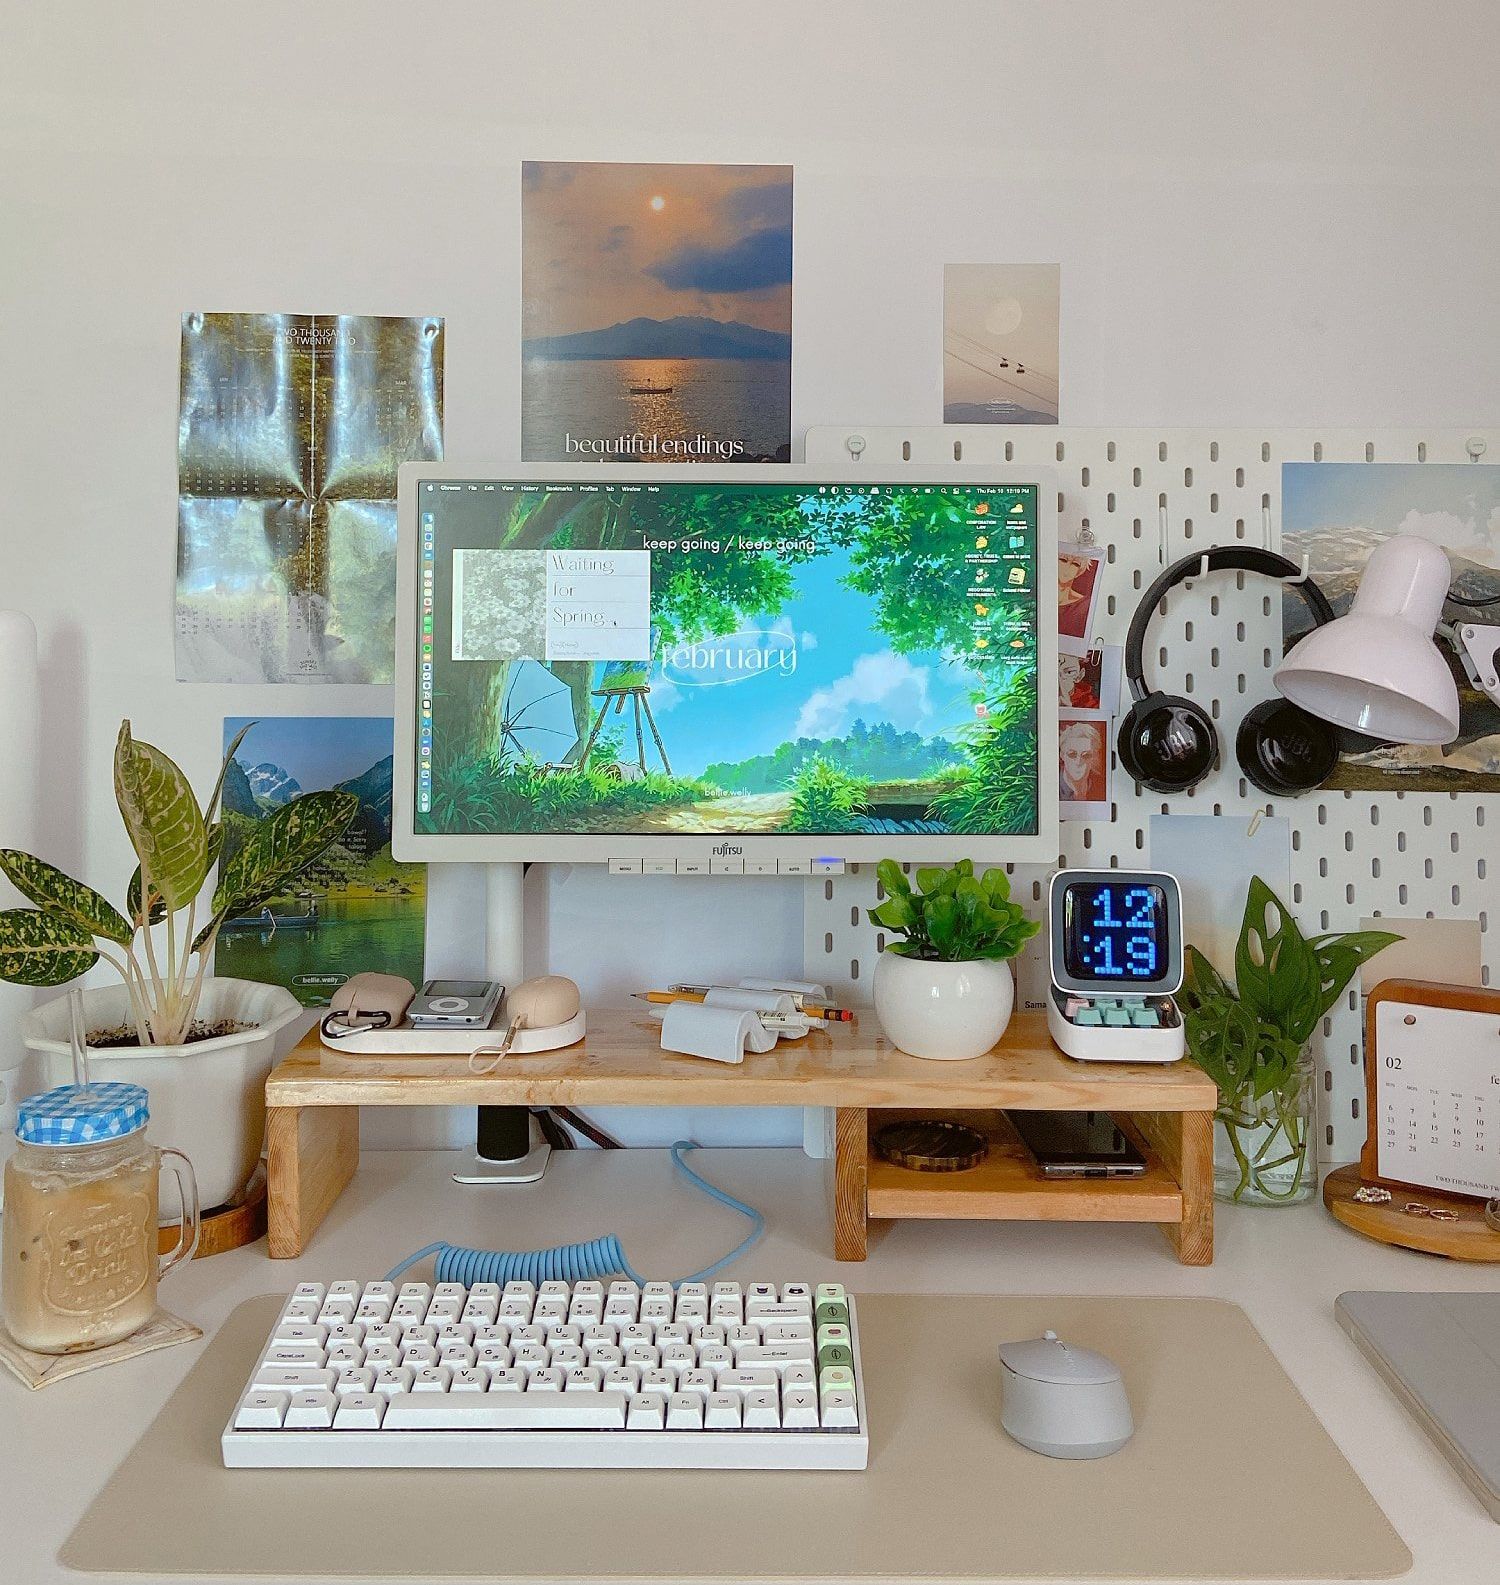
{"type": "Point", "coordinates": [690, 668]}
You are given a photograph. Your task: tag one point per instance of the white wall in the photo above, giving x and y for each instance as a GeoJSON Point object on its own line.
{"type": "Point", "coordinates": [1270, 212]}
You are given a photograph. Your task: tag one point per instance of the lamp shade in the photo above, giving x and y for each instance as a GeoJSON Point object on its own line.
{"type": "Point", "coordinates": [1378, 670]}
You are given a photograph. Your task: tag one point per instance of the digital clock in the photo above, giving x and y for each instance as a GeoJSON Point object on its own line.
{"type": "Point", "coordinates": [1116, 958]}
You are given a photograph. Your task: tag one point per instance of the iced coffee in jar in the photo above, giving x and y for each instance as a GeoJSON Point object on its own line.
{"type": "Point", "coordinates": [78, 1257]}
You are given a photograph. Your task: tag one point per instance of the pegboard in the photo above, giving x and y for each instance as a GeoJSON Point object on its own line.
{"type": "Point", "coordinates": [1148, 497]}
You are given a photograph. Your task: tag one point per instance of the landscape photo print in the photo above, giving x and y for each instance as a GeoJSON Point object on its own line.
{"type": "Point", "coordinates": [1335, 514]}
{"type": "Point", "coordinates": [656, 312]}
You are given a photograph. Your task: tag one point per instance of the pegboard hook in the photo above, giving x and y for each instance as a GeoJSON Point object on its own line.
{"type": "Point", "coordinates": [855, 445]}
{"type": "Point", "coordinates": [1299, 577]}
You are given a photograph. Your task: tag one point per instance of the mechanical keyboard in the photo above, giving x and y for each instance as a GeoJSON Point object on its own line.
{"type": "Point", "coordinates": [565, 1375]}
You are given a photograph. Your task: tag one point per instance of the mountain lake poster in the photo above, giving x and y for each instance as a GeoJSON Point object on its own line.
{"type": "Point", "coordinates": [656, 312]}
{"type": "Point", "coordinates": [357, 908]}
{"type": "Point", "coordinates": [1335, 514]}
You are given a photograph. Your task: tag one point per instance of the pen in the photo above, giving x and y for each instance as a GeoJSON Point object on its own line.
{"type": "Point", "coordinates": [838, 1015]}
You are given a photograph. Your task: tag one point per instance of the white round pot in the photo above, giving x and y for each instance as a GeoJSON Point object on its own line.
{"type": "Point", "coordinates": [950, 1012]}
{"type": "Point", "coordinates": [208, 1099]}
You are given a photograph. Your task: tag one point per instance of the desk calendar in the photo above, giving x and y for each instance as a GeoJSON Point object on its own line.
{"type": "Point", "coordinates": [1432, 1057]}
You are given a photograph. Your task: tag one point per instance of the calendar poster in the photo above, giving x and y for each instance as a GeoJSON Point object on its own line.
{"type": "Point", "coordinates": [290, 430]}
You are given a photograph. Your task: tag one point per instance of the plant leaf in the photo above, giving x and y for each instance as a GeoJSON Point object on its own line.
{"type": "Point", "coordinates": [281, 847]}
{"type": "Point", "coordinates": [163, 818]}
{"type": "Point", "coordinates": [38, 948]}
{"type": "Point", "coordinates": [212, 807]}
{"type": "Point", "coordinates": [1339, 958]}
{"type": "Point", "coordinates": [46, 886]}
{"type": "Point", "coordinates": [893, 878]}
{"type": "Point", "coordinates": [932, 881]}
{"type": "Point", "coordinates": [1275, 971]}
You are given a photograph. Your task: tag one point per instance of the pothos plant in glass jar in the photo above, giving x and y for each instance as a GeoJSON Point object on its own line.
{"type": "Point", "coordinates": [1253, 1037]}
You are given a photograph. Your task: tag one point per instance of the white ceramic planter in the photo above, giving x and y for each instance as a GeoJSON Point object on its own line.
{"type": "Point", "coordinates": [207, 1099]}
{"type": "Point", "coordinates": [950, 1012]}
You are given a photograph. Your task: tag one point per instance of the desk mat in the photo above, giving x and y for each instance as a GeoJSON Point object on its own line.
{"type": "Point", "coordinates": [1229, 1476]}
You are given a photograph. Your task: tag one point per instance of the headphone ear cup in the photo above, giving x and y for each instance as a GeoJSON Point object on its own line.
{"type": "Point", "coordinates": [1285, 751]}
{"type": "Point", "coordinates": [1167, 743]}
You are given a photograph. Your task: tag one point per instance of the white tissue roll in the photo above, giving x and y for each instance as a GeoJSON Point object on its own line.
{"type": "Point", "coordinates": [772, 1002]}
{"type": "Point", "coordinates": [20, 782]}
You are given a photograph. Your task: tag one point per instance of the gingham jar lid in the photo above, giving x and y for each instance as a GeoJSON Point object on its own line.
{"type": "Point", "coordinates": [86, 1115]}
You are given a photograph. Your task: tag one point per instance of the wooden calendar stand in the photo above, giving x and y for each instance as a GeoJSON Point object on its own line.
{"type": "Point", "coordinates": [313, 1100]}
{"type": "Point", "coordinates": [1456, 1116]}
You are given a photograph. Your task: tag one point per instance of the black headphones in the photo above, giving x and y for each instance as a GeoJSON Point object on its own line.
{"type": "Point", "coordinates": [1169, 744]}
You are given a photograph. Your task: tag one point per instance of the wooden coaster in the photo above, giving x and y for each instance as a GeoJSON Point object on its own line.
{"type": "Point", "coordinates": [230, 1226]}
{"type": "Point", "coordinates": [1467, 1238]}
{"type": "Point", "coordinates": [931, 1145]}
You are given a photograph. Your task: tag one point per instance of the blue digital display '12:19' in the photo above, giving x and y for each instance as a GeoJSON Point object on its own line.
{"type": "Point", "coordinates": [1116, 932]}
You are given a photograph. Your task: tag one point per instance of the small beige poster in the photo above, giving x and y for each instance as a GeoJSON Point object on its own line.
{"type": "Point", "coordinates": [1000, 343]}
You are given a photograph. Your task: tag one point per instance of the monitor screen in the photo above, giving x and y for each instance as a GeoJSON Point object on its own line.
{"type": "Point", "coordinates": [628, 661]}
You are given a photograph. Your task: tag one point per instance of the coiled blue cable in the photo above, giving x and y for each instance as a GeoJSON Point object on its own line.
{"type": "Point", "coordinates": [600, 1257]}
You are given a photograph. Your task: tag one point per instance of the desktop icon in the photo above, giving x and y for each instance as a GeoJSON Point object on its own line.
{"type": "Point", "coordinates": [982, 542]}
{"type": "Point", "coordinates": [981, 507]}
{"type": "Point", "coordinates": [1017, 575]}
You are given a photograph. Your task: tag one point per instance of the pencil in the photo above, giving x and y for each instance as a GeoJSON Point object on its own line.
{"type": "Point", "coordinates": [838, 1015]}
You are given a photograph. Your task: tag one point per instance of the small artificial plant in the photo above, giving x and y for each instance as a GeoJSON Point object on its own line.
{"type": "Point", "coordinates": [1249, 1037]}
{"type": "Point", "coordinates": [953, 916]}
{"type": "Point", "coordinates": [177, 843]}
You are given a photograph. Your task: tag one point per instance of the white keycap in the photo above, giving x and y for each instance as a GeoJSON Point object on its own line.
{"type": "Point", "coordinates": [623, 1378]}
{"type": "Point", "coordinates": [787, 1331]}
{"type": "Point", "coordinates": [485, 1290]}
{"type": "Point", "coordinates": [647, 1412]}
{"type": "Point", "coordinates": [528, 1332]}
{"type": "Point", "coordinates": [762, 1409]}
{"type": "Point", "coordinates": [799, 1408]}
{"type": "Point", "coordinates": [481, 1311]}
{"type": "Point", "coordinates": [660, 1380]}
{"type": "Point", "coordinates": [776, 1355]}
{"type": "Point", "coordinates": [583, 1378]}
{"type": "Point", "coordinates": [300, 1332]}
{"type": "Point", "coordinates": [345, 1332]}
{"type": "Point", "coordinates": [652, 1290]}
{"type": "Point", "coordinates": [530, 1356]}
{"type": "Point", "coordinates": [340, 1308]}
{"type": "Point", "coordinates": [692, 1290]}
{"type": "Point", "coordinates": [736, 1336]}
{"type": "Point", "coordinates": [383, 1332]}
{"type": "Point", "coordinates": [744, 1382]}
{"type": "Point", "coordinates": [507, 1381]}
{"type": "Point", "coordinates": [642, 1355]}
{"type": "Point", "coordinates": [379, 1355]}
{"type": "Point", "coordinates": [455, 1355]}
{"type": "Point", "coordinates": [606, 1358]}
{"type": "Point", "coordinates": [547, 1380]}
{"type": "Point", "coordinates": [673, 1332]}
{"type": "Point", "coordinates": [721, 1412]}
{"type": "Point", "coordinates": [566, 1355]}
{"type": "Point", "coordinates": [683, 1355]}
{"type": "Point", "coordinates": [698, 1381]}
{"type": "Point", "coordinates": [692, 1310]}
{"type": "Point", "coordinates": [791, 1291]}
{"type": "Point", "coordinates": [515, 1308]}
{"type": "Point", "coordinates": [589, 1289]}
{"type": "Point", "coordinates": [433, 1378]}
{"type": "Point", "coordinates": [586, 1309]}
{"type": "Point", "coordinates": [762, 1290]}
{"type": "Point", "coordinates": [392, 1380]}
{"type": "Point", "coordinates": [761, 1313]}
{"type": "Point", "coordinates": [685, 1412]}
{"type": "Point", "coordinates": [656, 1310]}
{"type": "Point", "coordinates": [507, 1411]}
{"type": "Point", "coordinates": [711, 1333]}
{"type": "Point", "coordinates": [486, 1334]}
{"type": "Point", "coordinates": [553, 1290]}
{"type": "Point", "coordinates": [353, 1379]}
{"type": "Point", "coordinates": [308, 1290]}
{"type": "Point", "coordinates": [549, 1313]}
{"type": "Point", "coordinates": [261, 1411]}
{"type": "Point", "coordinates": [623, 1288]}
{"type": "Point", "coordinates": [804, 1375]}
{"type": "Point", "coordinates": [293, 1354]}
{"type": "Point", "coordinates": [291, 1378]}
{"type": "Point", "coordinates": [346, 1354]}
{"type": "Point", "coordinates": [409, 1310]}
{"type": "Point", "coordinates": [345, 1288]}
{"type": "Point", "coordinates": [455, 1330]}
{"type": "Point", "coordinates": [376, 1309]}
{"type": "Point", "coordinates": [379, 1290]}
{"type": "Point", "coordinates": [418, 1355]}
{"type": "Point", "coordinates": [727, 1312]}
{"type": "Point", "coordinates": [311, 1411]}
{"type": "Point", "coordinates": [442, 1312]}
{"type": "Point", "coordinates": [496, 1355]}
{"type": "Point", "coordinates": [470, 1378]}
{"type": "Point", "coordinates": [301, 1310]}
{"type": "Point", "coordinates": [839, 1409]}
{"type": "Point", "coordinates": [517, 1289]}
{"type": "Point", "coordinates": [359, 1411]}
{"type": "Point", "coordinates": [715, 1357]}
{"type": "Point", "coordinates": [450, 1290]}
{"type": "Point", "coordinates": [414, 1290]}
{"type": "Point", "coordinates": [622, 1311]}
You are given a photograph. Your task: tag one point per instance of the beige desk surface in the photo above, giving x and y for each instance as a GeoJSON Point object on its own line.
{"type": "Point", "coordinates": [59, 1446]}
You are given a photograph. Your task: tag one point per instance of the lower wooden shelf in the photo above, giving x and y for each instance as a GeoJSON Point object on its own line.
{"type": "Point", "coordinates": [1009, 1186]}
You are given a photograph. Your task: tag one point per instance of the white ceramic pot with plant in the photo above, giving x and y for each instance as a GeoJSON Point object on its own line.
{"type": "Point", "coordinates": [945, 989]}
{"type": "Point", "coordinates": [201, 1046]}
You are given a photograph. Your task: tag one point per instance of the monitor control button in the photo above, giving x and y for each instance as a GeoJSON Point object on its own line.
{"type": "Point", "coordinates": [691, 867]}
{"type": "Point", "coordinates": [624, 866]}
{"type": "Point", "coordinates": [828, 866]}
{"type": "Point", "coordinates": [760, 866]}
{"type": "Point", "coordinates": [793, 867]}
{"type": "Point", "coordinates": [658, 866]}
{"type": "Point", "coordinates": [726, 866]}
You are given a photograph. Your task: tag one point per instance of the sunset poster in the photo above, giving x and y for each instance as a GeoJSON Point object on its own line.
{"type": "Point", "coordinates": [656, 312]}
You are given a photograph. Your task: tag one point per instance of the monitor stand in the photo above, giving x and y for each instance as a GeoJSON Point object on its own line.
{"type": "Point", "coordinates": [508, 1146]}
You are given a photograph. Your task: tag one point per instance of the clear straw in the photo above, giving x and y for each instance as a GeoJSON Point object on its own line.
{"type": "Point", "coordinates": [78, 1039]}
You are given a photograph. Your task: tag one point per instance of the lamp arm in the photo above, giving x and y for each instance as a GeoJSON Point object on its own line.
{"type": "Point", "coordinates": [1477, 646]}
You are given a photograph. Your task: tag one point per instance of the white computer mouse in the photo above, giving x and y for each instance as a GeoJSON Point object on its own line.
{"type": "Point", "coordinates": [1063, 1401]}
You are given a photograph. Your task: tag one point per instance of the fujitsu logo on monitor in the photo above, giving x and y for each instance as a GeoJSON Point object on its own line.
{"type": "Point", "coordinates": [726, 850]}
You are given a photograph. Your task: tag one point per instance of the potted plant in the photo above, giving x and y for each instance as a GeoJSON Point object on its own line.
{"type": "Point", "coordinates": [201, 1046]}
{"type": "Point", "coordinates": [1252, 1039]}
{"type": "Point", "coordinates": [946, 990]}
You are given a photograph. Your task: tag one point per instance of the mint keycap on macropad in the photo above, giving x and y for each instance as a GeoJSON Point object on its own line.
{"type": "Point", "coordinates": [1088, 1015]}
{"type": "Point", "coordinates": [1145, 1018]}
{"type": "Point", "coordinates": [1115, 1016]}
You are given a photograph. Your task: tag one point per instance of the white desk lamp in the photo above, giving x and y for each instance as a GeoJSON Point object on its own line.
{"type": "Point", "coordinates": [1378, 670]}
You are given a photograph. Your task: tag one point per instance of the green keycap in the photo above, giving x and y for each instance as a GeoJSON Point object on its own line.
{"type": "Point", "coordinates": [835, 1354]}
{"type": "Point", "coordinates": [834, 1332]}
{"type": "Point", "coordinates": [1087, 1016]}
{"type": "Point", "coordinates": [1116, 1015]}
{"type": "Point", "coordinates": [837, 1378]}
{"type": "Point", "coordinates": [830, 1314]}
{"type": "Point", "coordinates": [1144, 1018]}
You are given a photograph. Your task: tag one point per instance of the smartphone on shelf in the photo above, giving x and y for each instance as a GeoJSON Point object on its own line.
{"type": "Point", "coordinates": [1077, 1144]}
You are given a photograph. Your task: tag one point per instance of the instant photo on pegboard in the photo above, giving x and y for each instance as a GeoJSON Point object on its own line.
{"type": "Point", "coordinates": [1148, 497]}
